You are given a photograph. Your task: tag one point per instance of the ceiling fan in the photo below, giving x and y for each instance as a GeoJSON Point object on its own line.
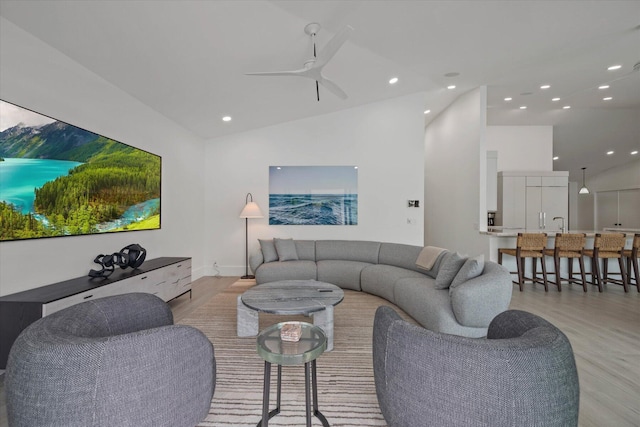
{"type": "Point", "coordinates": [313, 67]}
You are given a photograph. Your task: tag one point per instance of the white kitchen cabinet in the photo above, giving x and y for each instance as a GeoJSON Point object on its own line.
{"type": "Point", "coordinates": [618, 209]}
{"type": "Point", "coordinates": [492, 181]}
{"type": "Point", "coordinates": [531, 199]}
{"type": "Point", "coordinates": [511, 201]}
{"type": "Point", "coordinates": [545, 203]}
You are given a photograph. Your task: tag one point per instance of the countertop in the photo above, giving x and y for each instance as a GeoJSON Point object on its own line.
{"type": "Point", "coordinates": [513, 232]}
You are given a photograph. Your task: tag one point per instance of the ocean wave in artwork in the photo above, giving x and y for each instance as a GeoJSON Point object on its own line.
{"type": "Point", "coordinates": [313, 209]}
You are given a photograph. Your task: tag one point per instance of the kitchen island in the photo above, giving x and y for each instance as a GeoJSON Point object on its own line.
{"type": "Point", "coordinates": [500, 237]}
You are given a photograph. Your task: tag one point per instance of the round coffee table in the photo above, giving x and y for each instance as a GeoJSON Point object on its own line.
{"type": "Point", "coordinates": [307, 297]}
{"type": "Point", "coordinates": [273, 349]}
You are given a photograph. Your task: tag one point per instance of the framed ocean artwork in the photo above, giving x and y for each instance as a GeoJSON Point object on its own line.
{"type": "Point", "coordinates": [57, 180]}
{"type": "Point", "coordinates": [313, 195]}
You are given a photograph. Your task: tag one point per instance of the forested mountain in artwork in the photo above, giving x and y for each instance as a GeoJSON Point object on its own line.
{"type": "Point", "coordinates": [106, 179]}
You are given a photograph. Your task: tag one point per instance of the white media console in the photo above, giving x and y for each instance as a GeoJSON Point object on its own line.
{"type": "Point", "coordinates": [167, 277]}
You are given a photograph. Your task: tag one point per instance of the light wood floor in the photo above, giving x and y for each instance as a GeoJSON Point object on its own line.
{"type": "Point", "coordinates": [604, 330]}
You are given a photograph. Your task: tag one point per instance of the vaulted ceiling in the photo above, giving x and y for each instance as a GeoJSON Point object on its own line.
{"type": "Point", "coordinates": [188, 59]}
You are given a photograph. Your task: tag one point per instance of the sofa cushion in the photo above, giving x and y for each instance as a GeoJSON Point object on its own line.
{"type": "Point", "coordinates": [471, 268]}
{"type": "Point", "coordinates": [431, 307]}
{"type": "Point", "coordinates": [286, 270]}
{"type": "Point", "coordinates": [451, 264]}
{"type": "Point", "coordinates": [347, 250]}
{"type": "Point", "coordinates": [306, 249]}
{"type": "Point", "coordinates": [286, 249]}
{"type": "Point", "coordinates": [380, 279]}
{"type": "Point", "coordinates": [345, 274]}
{"type": "Point", "coordinates": [400, 255]}
{"type": "Point", "coordinates": [477, 301]}
{"type": "Point", "coordinates": [269, 252]}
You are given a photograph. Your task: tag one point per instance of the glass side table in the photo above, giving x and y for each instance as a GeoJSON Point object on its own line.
{"type": "Point", "coordinates": [273, 349]}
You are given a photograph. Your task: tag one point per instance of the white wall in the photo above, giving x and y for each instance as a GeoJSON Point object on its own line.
{"type": "Point", "coordinates": [455, 176]}
{"type": "Point", "coordinates": [38, 77]}
{"type": "Point", "coordinates": [385, 141]}
{"type": "Point", "coordinates": [522, 148]}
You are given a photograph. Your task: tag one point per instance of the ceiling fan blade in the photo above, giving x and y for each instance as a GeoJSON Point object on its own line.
{"type": "Point", "coordinates": [301, 72]}
{"type": "Point", "coordinates": [332, 47]}
{"type": "Point", "coordinates": [333, 88]}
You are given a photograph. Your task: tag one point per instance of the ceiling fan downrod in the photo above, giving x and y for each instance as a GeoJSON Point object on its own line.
{"type": "Point", "coordinates": [312, 30]}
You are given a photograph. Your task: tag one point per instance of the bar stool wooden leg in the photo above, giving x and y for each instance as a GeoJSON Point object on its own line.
{"type": "Point", "coordinates": [595, 273]}
{"type": "Point", "coordinates": [544, 274]}
{"type": "Point", "coordinates": [632, 264]}
{"type": "Point", "coordinates": [625, 283]}
{"type": "Point", "coordinates": [520, 264]}
{"type": "Point", "coordinates": [584, 276]}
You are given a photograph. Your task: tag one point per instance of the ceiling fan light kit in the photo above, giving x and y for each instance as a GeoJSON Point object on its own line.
{"type": "Point", "coordinates": [312, 68]}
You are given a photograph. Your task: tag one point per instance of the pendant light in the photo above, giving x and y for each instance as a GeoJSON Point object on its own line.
{"type": "Point", "coordinates": [584, 189]}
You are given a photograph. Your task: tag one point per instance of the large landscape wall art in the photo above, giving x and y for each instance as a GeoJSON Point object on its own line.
{"type": "Point", "coordinates": [313, 195]}
{"type": "Point", "coordinates": [60, 180]}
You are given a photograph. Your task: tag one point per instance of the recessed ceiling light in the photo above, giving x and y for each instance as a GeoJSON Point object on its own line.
{"type": "Point", "coordinates": [523, 107]}
{"type": "Point", "coordinates": [508, 99]}
{"type": "Point", "coordinates": [608, 98]}
{"type": "Point", "coordinates": [614, 67]}
{"type": "Point", "coordinates": [555, 157]}
{"type": "Point", "coordinates": [603, 87]}
{"type": "Point", "coordinates": [226, 119]}
{"type": "Point", "coordinates": [610, 152]}
{"type": "Point", "coordinates": [355, 167]}
{"type": "Point", "coordinates": [393, 80]}
{"type": "Point", "coordinates": [427, 111]}
{"type": "Point", "coordinates": [451, 87]}
{"type": "Point", "coordinates": [566, 107]}
{"type": "Point", "coordinates": [633, 153]}
{"type": "Point", "coordinates": [545, 87]}
{"type": "Point", "coordinates": [555, 99]}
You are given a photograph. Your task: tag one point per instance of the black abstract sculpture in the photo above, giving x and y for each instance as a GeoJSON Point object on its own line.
{"type": "Point", "coordinates": [130, 256]}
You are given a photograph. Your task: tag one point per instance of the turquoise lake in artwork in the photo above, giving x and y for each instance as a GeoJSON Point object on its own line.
{"type": "Point", "coordinates": [20, 177]}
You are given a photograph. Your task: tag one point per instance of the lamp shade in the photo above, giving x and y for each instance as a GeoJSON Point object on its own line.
{"type": "Point", "coordinates": [584, 189]}
{"type": "Point", "coordinates": [251, 210]}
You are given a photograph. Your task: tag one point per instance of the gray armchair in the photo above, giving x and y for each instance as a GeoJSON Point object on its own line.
{"type": "Point", "coordinates": [522, 374]}
{"type": "Point", "coordinates": [115, 361]}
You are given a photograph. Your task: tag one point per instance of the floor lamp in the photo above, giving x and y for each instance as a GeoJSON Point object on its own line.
{"type": "Point", "coordinates": [250, 210]}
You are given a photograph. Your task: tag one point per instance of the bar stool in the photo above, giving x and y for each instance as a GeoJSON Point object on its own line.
{"type": "Point", "coordinates": [568, 246]}
{"type": "Point", "coordinates": [606, 246]}
{"type": "Point", "coordinates": [528, 245]}
{"type": "Point", "coordinates": [632, 261]}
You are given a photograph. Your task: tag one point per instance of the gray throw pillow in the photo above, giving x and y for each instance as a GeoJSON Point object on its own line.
{"type": "Point", "coordinates": [269, 253]}
{"type": "Point", "coordinates": [472, 267]}
{"type": "Point", "coordinates": [286, 249]}
{"type": "Point", "coordinates": [448, 269]}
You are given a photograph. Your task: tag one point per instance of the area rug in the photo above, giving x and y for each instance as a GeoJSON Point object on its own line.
{"type": "Point", "coordinates": [346, 389]}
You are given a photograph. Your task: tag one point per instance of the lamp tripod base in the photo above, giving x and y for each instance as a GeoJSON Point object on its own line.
{"type": "Point", "coordinates": [248, 277]}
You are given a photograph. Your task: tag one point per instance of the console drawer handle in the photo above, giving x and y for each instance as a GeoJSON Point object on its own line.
{"type": "Point", "coordinates": [142, 278]}
{"type": "Point", "coordinates": [87, 297]}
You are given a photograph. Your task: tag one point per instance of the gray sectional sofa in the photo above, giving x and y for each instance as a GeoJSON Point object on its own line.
{"type": "Point", "coordinates": [456, 296]}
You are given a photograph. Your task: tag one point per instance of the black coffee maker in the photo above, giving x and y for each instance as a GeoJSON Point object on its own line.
{"type": "Point", "coordinates": [491, 219]}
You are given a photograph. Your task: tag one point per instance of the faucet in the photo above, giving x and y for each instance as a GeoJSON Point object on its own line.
{"type": "Point", "coordinates": [562, 229]}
